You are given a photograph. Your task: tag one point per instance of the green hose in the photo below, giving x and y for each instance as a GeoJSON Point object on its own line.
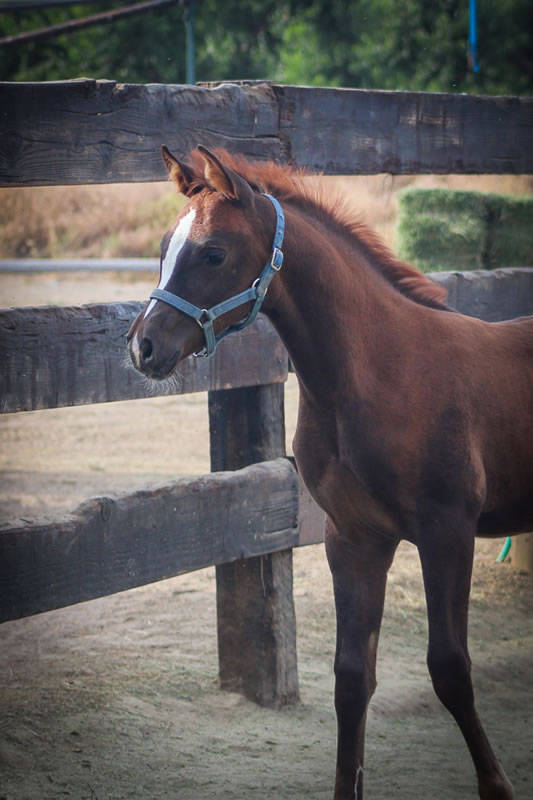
{"type": "Point", "coordinates": [505, 550]}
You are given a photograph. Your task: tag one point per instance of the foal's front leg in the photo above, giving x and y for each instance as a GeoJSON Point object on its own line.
{"type": "Point", "coordinates": [359, 566]}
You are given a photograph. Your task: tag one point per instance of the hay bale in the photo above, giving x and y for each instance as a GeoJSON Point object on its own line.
{"type": "Point", "coordinates": [446, 229]}
{"type": "Point", "coordinates": [414, 200]}
{"type": "Point", "coordinates": [434, 242]}
{"type": "Point", "coordinates": [509, 231]}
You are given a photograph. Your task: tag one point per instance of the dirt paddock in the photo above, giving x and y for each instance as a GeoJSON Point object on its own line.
{"type": "Point", "coordinates": [118, 698]}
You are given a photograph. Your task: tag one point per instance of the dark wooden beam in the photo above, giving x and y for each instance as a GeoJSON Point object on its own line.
{"type": "Point", "coordinates": [357, 131]}
{"type": "Point", "coordinates": [255, 610]}
{"type": "Point", "coordinates": [492, 295]}
{"type": "Point", "coordinates": [89, 131]}
{"type": "Point", "coordinates": [52, 357]}
{"type": "Point", "coordinates": [113, 543]}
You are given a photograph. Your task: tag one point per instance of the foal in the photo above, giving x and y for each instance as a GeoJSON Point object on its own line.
{"type": "Point", "coordinates": [415, 422]}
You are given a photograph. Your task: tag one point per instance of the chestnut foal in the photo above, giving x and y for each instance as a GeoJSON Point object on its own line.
{"type": "Point", "coordinates": [415, 421]}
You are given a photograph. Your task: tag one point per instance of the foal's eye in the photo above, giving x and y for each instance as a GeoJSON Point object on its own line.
{"type": "Point", "coordinates": [214, 256]}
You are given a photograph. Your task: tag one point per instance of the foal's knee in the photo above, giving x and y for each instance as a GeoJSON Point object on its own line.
{"type": "Point", "coordinates": [450, 674]}
{"type": "Point", "coordinates": [354, 686]}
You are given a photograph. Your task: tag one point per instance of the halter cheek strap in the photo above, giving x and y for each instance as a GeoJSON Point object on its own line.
{"type": "Point", "coordinates": [256, 293]}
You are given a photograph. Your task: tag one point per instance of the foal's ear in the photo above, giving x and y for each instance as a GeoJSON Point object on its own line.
{"type": "Point", "coordinates": [181, 174]}
{"type": "Point", "coordinates": [224, 179]}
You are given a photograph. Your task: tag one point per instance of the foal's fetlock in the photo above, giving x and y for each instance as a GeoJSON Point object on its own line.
{"type": "Point", "coordinates": [495, 788]}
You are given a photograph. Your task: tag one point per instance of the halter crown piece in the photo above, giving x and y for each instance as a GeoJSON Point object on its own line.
{"type": "Point", "coordinates": [256, 293]}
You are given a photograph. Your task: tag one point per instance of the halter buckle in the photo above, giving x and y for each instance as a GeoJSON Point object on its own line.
{"type": "Point", "coordinates": [276, 262]}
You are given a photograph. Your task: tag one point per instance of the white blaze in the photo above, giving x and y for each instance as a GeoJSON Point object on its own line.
{"type": "Point", "coordinates": [179, 237]}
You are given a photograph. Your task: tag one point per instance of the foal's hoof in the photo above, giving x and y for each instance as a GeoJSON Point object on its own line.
{"type": "Point", "coordinates": [498, 788]}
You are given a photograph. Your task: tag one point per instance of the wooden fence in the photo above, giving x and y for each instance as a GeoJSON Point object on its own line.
{"type": "Point", "coordinates": [250, 512]}
{"type": "Point", "coordinates": [89, 131]}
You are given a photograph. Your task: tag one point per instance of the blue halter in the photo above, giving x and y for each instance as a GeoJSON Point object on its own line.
{"type": "Point", "coordinates": [256, 293]}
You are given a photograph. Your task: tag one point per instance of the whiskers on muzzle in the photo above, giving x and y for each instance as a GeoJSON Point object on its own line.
{"type": "Point", "coordinates": [153, 387]}
{"type": "Point", "coordinates": [172, 384]}
{"type": "Point", "coordinates": [127, 360]}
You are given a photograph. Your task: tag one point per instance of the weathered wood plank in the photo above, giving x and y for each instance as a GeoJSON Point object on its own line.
{"type": "Point", "coordinates": [358, 131]}
{"type": "Point", "coordinates": [522, 552]}
{"type": "Point", "coordinates": [493, 296]}
{"type": "Point", "coordinates": [256, 622]}
{"type": "Point", "coordinates": [311, 519]}
{"type": "Point", "coordinates": [90, 131]}
{"type": "Point", "coordinates": [256, 628]}
{"type": "Point", "coordinates": [114, 543]}
{"type": "Point", "coordinates": [51, 357]}
{"type": "Point", "coordinates": [246, 425]}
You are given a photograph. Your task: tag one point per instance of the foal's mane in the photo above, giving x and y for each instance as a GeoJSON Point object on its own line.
{"type": "Point", "coordinates": [287, 184]}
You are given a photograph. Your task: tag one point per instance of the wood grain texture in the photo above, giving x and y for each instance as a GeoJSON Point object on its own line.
{"type": "Point", "coordinates": [246, 426]}
{"type": "Point", "coordinates": [113, 543]}
{"type": "Point", "coordinates": [256, 622]}
{"type": "Point", "coordinates": [358, 131]}
{"type": "Point", "coordinates": [492, 295]}
{"type": "Point", "coordinates": [256, 629]}
{"type": "Point", "coordinates": [521, 553]}
{"type": "Point", "coordinates": [52, 357]}
{"type": "Point", "coordinates": [89, 131]}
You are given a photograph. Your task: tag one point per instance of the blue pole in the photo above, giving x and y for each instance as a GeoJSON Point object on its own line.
{"type": "Point", "coordinates": [472, 36]}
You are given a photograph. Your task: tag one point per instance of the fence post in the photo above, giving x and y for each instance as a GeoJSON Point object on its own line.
{"type": "Point", "coordinates": [522, 552]}
{"type": "Point", "coordinates": [255, 610]}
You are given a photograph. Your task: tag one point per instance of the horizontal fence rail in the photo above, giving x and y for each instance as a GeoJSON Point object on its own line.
{"type": "Point", "coordinates": [96, 131]}
{"type": "Point", "coordinates": [109, 544]}
{"type": "Point", "coordinates": [52, 357]}
{"type": "Point", "coordinates": [494, 295]}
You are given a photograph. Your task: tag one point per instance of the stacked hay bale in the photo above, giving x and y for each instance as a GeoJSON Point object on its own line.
{"type": "Point", "coordinates": [446, 229]}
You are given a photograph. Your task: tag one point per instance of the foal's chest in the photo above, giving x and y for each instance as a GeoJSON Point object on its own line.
{"type": "Point", "coordinates": [356, 484]}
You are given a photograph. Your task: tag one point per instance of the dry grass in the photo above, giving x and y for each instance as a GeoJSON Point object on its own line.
{"type": "Point", "coordinates": [128, 220]}
{"type": "Point", "coordinates": [122, 220]}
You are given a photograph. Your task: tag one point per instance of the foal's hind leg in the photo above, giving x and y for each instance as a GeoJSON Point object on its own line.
{"type": "Point", "coordinates": [359, 569]}
{"type": "Point", "coordinates": [446, 555]}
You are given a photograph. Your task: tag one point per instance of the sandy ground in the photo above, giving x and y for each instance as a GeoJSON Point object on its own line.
{"type": "Point", "coordinates": [118, 698]}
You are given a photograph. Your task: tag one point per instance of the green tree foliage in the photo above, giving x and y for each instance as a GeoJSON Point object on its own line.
{"type": "Point", "coordinates": [386, 44]}
{"type": "Point", "coordinates": [409, 44]}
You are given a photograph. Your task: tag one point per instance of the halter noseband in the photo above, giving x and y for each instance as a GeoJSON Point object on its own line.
{"type": "Point", "coordinates": [256, 293]}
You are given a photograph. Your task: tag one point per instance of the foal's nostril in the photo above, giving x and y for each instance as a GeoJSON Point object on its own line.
{"type": "Point", "coordinates": [146, 349]}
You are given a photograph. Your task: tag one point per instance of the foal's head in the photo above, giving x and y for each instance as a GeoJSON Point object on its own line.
{"type": "Point", "coordinates": [215, 250]}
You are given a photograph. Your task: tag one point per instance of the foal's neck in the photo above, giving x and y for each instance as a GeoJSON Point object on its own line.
{"type": "Point", "coordinates": [331, 308]}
